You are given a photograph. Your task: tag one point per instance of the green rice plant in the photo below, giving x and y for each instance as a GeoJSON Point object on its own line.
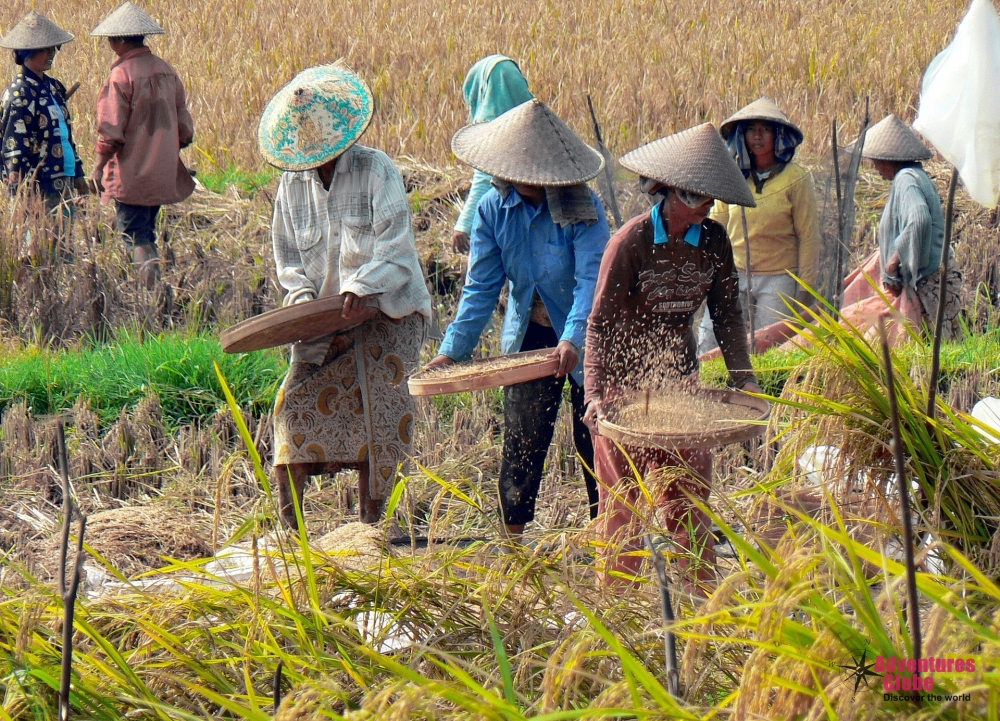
{"type": "Point", "coordinates": [837, 396]}
{"type": "Point", "coordinates": [177, 367]}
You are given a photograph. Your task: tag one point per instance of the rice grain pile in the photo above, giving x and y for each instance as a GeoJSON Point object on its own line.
{"type": "Point", "coordinates": [481, 366]}
{"type": "Point", "coordinates": [681, 412]}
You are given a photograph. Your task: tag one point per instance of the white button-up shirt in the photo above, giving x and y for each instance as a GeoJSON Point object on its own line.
{"type": "Point", "coordinates": [355, 237]}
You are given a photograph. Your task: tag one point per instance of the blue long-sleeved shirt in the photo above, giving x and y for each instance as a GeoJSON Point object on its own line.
{"type": "Point", "coordinates": [516, 242]}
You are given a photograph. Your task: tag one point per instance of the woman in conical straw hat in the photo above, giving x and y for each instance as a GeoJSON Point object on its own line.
{"type": "Point", "coordinates": [784, 225]}
{"type": "Point", "coordinates": [657, 270]}
{"type": "Point", "coordinates": [138, 163]}
{"type": "Point", "coordinates": [492, 86]}
{"type": "Point", "coordinates": [37, 144]}
{"type": "Point", "coordinates": [541, 231]}
{"type": "Point", "coordinates": [911, 231]}
{"type": "Point", "coordinates": [342, 226]}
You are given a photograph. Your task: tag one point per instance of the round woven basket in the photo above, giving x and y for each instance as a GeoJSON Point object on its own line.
{"type": "Point", "coordinates": [282, 326]}
{"type": "Point", "coordinates": [482, 373]}
{"type": "Point", "coordinates": [735, 431]}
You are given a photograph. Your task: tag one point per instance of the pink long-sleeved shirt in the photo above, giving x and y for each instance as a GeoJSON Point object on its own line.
{"type": "Point", "coordinates": [143, 122]}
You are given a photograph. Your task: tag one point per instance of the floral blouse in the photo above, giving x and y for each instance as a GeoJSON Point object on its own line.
{"type": "Point", "coordinates": [30, 112]}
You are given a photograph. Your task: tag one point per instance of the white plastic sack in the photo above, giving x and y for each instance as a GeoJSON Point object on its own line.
{"type": "Point", "coordinates": [987, 412]}
{"type": "Point", "coordinates": [960, 102]}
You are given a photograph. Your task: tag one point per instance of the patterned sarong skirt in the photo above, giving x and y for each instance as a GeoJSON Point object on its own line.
{"type": "Point", "coordinates": [354, 408]}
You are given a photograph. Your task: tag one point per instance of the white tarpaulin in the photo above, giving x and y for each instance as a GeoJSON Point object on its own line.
{"type": "Point", "coordinates": [960, 102]}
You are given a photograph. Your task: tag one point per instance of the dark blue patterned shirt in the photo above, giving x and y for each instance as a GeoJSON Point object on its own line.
{"type": "Point", "coordinates": [32, 142]}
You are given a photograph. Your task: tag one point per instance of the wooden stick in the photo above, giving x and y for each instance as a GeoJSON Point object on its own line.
{"type": "Point", "coordinates": [67, 505]}
{"type": "Point", "coordinates": [72, 90]}
{"type": "Point", "coordinates": [669, 643]}
{"type": "Point", "coordinates": [942, 293]}
{"type": "Point", "coordinates": [904, 498]}
{"type": "Point", "coordinates": [746, 255]}
{"type": "Point", "coordinates": [608, 185]}
{"type": "Point", "coordinates": [838, 278]}
{"type": "Point", "coordinates": [276, 686]}
{"type": "Point", "coordinates": [69, 608]}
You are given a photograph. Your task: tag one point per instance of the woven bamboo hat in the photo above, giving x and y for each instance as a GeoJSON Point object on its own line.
{"type": "Point", "coordinates": [761, 109]}
{"type": "Point", "coordinates": [892, 139]}
{"type": "Point", "coordinates": [315, 118]}
{"type": "Point", "coordinates": [34, 32]}
{"type": "Point", "coordinates": [528, 144]}
{"type": "Point", "coordinates": [127, 21]}
{"type": "Point", "coordinates": [695, 160]}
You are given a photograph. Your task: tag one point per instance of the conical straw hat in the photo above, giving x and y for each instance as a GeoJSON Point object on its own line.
{"type": "Point", "coordinates": [528, 144]}
{"type": "Point", "coordinates": [892, 139]}
{"type": "Point", "coordinates": [315, 118]}
{"type": "Point", "coordinates": [695, 160]}
{"type": "Point", "coordinates": [761, 109]}
{"type": "Point", "coordinates": [126, 21]}
{"type": "Point", "coordinates": [35, 32]}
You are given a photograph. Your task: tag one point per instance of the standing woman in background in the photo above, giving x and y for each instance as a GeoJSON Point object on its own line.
{"type": "Point", "coordinates": [492, 86]}
{"type": "Point", "coordinates": [783, 228]}
{"type": "Point", "coordinates": [38, 147]}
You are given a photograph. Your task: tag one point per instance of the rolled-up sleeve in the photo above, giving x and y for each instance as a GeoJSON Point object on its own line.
{"type": "Point", "coordinates": [287, 258]}
{"type": "Point", "coordinates": [589, 242]}
{"type": "Point", "coordinates": [483, 283]}
{"type": "Point", "coordinates": [114, 107]}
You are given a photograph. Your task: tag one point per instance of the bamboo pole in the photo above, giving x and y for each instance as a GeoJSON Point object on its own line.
{"type": "Point", "coordinates": [949, 221]}
{"type": "Point", "coordinates": [913, 609]}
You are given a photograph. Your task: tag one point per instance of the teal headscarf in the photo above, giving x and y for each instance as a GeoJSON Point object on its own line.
{"type": "Point", "coordinates": [493, 86]}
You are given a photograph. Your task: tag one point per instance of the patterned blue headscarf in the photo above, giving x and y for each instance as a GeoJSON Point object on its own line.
{"type": "Point", "coordinates": [785, 142]}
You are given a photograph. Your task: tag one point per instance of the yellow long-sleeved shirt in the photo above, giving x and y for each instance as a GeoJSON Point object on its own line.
{"type": "Point", "coordinates": [784, 227]}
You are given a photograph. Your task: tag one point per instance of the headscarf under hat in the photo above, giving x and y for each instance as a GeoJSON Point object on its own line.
{"type": "Point", "coordinates": [787, 136]}
{"type": "Point", "coordinates": [493, 86]}
{"type": "Point", "coordinates": [315, 118]}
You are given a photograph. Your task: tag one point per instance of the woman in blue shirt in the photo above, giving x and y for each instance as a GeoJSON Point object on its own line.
{"type": "Point", "coordinates": [541, 231]}
{"type": "Point", "coordinates": [492, 86]}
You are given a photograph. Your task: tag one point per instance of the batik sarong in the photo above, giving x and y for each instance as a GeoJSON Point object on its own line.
{"type": "Point", "coordinates": [354, 408]}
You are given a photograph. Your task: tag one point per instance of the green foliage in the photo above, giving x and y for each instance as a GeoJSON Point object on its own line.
{"type": "Point", "coordinates": [247, 181]}
{"type": "Point", "coordinates": [176, 367]}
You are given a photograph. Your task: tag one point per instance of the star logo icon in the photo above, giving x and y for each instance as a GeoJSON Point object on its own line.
{"type": "Point", "coordinates": [860, 671]}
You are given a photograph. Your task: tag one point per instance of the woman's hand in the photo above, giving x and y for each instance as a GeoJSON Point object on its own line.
{"type": "Point", "coordinates": [568, 357]}
{"type": "Point", "coordinates": [893, 289]}
{"type": "Point", "coordinates": [460, 242]}
{"type": "Point", "coordinates": [595, 411]}
{"type": "Point", "coordinates": [354, 305]}
{"type": "Point", "coordinates": [441, 361]}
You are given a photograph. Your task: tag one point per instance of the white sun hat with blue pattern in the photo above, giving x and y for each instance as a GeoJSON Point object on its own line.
{"type": "Point", "coordinates": [315, 118]}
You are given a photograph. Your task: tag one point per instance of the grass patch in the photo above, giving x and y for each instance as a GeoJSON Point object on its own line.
{"type": "Point", "coordinates": [175, 366]}
{"type": "Point", "coordinates": [247, 181]}
{"type": "Point", "coordinates": [974, 354]}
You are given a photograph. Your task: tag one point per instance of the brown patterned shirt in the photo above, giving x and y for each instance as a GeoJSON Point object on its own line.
{"type": "Point", "coordinates": [640, 333]}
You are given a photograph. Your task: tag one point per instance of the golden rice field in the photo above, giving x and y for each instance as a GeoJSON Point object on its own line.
{"type": "Point", "coordinates": [651, 67]}
{"type": "Point", "coordinates": [195, 605]}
